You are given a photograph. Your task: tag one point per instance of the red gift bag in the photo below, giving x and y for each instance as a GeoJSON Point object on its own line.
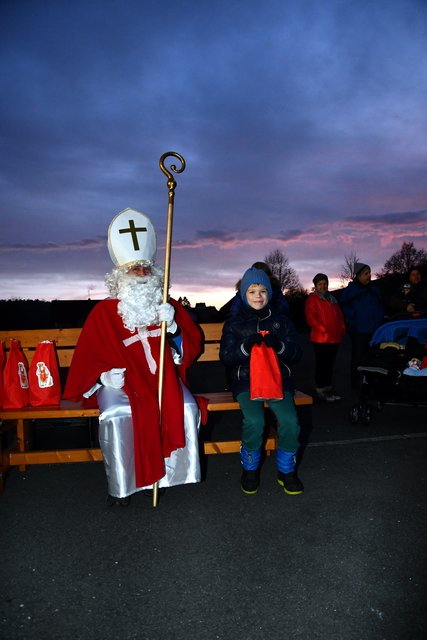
{"type": "Point", "coordinates": [2, 362]}
{"type": "Point", "coordinates": [15, 378]}
{"type": "Point", "coordinates": [45, 383]}
{"type": "Point", "coordinates": [265, 374]}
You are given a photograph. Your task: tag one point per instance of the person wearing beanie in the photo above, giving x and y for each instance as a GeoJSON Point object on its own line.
{"type": "Point", "coordinates": [324, 317]}
{"type": "Point", "coordinates": [359, 267]}
{"type": "Point", "coordinates": [277, 297]}
{"type": "Point", "coordinates": [363, 312]}
{"type": "Point", "coordinates": [251, 277]}
{"type": "Point", "coordinates": [259, 321]}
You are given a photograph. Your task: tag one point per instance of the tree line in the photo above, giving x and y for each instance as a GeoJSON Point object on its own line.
{"type": "Point", "coordinates": [398, 264]}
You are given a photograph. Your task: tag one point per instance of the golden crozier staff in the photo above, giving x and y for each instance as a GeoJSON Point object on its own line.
{"type": "Point", "coordinates": [171, 184]}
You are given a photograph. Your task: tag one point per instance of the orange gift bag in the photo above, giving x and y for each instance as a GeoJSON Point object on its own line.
{"type": "Point", "coordinates": [265, 375]}
{"type": "Point", "coordinates": [15, 378]}
{"type": "Point", "coordinates": [45, 383]}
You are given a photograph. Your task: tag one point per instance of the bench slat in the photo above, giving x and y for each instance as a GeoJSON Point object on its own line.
{"type": "Point", "coordinates": [217, 401]}
{"type": "Point", "coordinates": [233, 446]}
{"type": "Point", "coordinates": [64, 410]}
{"type": "Point", "coordinates": [210, 353]}
{"type": "Point", "coordinates": [29, 338]}
{"type": "Point", "coordinates": [55, 457]}
{"type": "Point", "coordinates": [212, 331]}
{"type": "Point", "coordinates": [224, 401]}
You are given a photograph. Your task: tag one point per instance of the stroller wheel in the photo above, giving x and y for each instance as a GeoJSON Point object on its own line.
{"type": "Point", "coordinates": [355, 412]}
{"type": "Point", "coordinates": [366, 414]}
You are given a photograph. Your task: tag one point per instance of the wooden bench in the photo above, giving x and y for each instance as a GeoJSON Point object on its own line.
{"type": "Point", "coordinates": [20, 421]}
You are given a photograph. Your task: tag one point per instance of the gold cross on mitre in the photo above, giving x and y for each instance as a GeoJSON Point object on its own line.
{"type": "Point", "coordinates": [131, 238]}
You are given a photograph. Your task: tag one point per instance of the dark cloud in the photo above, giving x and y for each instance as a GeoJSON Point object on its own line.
{"type": "Point", "coordinates": [405, 218]}
{"type": "Point", "coordinates": [51, 247]}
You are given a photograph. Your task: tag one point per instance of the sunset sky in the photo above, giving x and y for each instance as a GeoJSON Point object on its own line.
{"type": "Point", "coordinates": [303, 124]}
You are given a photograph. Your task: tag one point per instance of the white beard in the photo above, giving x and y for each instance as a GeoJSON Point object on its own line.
{"type": "Point", "coordinates": [139, 298]}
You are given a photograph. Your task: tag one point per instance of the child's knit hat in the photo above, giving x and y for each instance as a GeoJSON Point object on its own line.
{"type": "Point", "coordinates": [254, 276]}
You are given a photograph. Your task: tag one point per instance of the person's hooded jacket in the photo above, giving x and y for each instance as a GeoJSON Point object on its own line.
{"type": "Point", "coordinates": [362, 307]}
{"type": "Point", "coordinates": [324, 317]}
{"type": "Point", "coordinates": [246, 322]}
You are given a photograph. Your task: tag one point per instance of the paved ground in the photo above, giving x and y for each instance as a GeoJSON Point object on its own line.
{"type": "Point", "coordinates": [346, 560]}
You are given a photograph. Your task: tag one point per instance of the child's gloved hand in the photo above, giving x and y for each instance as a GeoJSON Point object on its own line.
{"type": "Point", "coordinates": [114, 378]}
{"type": "Point", "coordinates": [167, 314]}
{"type": "Point", "coordinates": [251, 341]}
{"type": "Point", "coordinates": [270, 340]}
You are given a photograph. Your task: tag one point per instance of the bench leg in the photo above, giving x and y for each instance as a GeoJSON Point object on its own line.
{"type": "Point", "coordinates": [4, 466]}
{"type": "Point", "coordinates": [24, 436]}
{"type": "Point", "coordinates": [4, 451]}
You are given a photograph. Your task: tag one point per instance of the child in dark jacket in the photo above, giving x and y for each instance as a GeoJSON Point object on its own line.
{"type": "Point", "coordinates": [240, 333]}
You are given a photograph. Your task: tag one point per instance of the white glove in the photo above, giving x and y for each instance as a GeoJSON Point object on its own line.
{"type": "Point", "coordinates": [114, 378]}
{"type": "Point", "coordinates": [167, 314]}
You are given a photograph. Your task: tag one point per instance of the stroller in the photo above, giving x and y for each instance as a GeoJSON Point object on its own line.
{"type": "Point", "coordinates": [395, 369]}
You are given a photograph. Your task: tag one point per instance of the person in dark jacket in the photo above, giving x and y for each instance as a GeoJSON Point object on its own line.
{"type": "Point", "coordinates": [240, 333]}
{"type": "Point", "coordinates": [363, 312]}
{"type": "Point", "coordinates": [324, 317]}
{"type": "Point", "coordinates": [412, 296]}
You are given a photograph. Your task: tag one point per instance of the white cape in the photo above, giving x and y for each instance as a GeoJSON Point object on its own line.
{"type": "Point", "coordinates": [117, 444]}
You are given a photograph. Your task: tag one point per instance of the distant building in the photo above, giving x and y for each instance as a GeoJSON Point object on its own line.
{"type": "Point", "coordinates": [203, 313]}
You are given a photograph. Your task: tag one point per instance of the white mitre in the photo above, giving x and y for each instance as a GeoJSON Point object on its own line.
{"type": "Point", "coordinates": [131, 239]}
